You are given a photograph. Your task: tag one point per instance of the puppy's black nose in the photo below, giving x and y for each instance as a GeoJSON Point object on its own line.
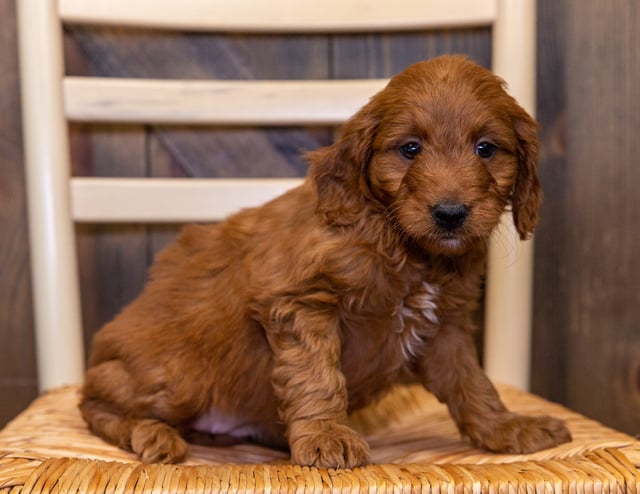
{"type": "Point", "coordinates": [449, 215]}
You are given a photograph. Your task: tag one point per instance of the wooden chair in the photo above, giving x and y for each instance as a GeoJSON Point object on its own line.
{"type": "Point", "coordinates": [415, 445]}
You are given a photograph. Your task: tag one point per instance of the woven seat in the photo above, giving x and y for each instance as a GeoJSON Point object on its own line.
{"type": "Point", "coordinates": [414, 443]}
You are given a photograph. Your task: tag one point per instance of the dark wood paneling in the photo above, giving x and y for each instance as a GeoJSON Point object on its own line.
{"type": "Point", "coordinates": [550, 319]}
{"type": "Point", "coordinates": [384, 55]}
{"type": "Point", "coordinates": [603, 105]}
{"type": "Point", "coordinates": [18, 384]}
{"type": "Point", "coordinates": [588, 269]}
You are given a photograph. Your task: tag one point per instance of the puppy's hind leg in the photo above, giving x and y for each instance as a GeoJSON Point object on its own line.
{"type": "Point", "coordinates": [114, 411]}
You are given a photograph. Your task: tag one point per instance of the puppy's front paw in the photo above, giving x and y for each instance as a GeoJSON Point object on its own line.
{"type": "Point", "coordinates": [157, 442]}
{"type": "Point", "coordinates": [329, 445]}
{"type": "Point", "coordinates": [519, 434]}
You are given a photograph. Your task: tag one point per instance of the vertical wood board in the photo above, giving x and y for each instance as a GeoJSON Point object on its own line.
{"type": "Point", "coordinates": [18, 380]}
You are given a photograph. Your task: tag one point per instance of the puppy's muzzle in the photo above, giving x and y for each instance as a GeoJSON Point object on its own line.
{"type": "Point", "coordinates": [449, 215]}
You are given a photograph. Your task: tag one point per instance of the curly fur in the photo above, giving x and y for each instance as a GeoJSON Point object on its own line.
{"type": "Point", "coordinates": [277, 323]}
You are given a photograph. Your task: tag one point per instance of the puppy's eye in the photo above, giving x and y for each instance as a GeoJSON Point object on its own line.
{"type": "Point", "coordinates": [485, 149]}
{"type": "Point", "coordinates": [410, 150]}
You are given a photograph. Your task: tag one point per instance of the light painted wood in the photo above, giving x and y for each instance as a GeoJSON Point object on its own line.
{"type": "Point", "coordinates": [281, 15]}
{"type": "Point", "coordinates": [216, 102]}
{"type": "Point", "coordinates": [508, 307]}
{"type": "Point", "coordinates": [59, 341]}
{"type": "Point", "coordinates": [170, 200]}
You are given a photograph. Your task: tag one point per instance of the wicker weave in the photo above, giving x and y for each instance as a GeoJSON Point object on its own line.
{"type": "Point", "coordinates": [415, 448]}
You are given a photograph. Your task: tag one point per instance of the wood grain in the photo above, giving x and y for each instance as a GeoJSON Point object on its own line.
{"type": "Point", "coordinates": [280, 16]}
{"type": "Point", "coordinates": [18, 381]}
{"type": "Point", "coordinates": [587, 349]}
{"type": "Point", "coordinates": [550, 321]}
{"type": "Point", "coordinates": [603, 103]}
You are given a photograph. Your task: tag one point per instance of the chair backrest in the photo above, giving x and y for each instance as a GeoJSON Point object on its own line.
{"type": "Point", "coordinates": [50, 99]}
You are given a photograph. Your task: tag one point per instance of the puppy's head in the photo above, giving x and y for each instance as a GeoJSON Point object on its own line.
{"type": "Point", "coordinates": [443, 149]}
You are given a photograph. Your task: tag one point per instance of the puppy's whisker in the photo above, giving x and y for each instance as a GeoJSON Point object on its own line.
{"type": "Point", "coordinates": [506, 243]}
{"type": "Point", "coordinates": [391, 216]}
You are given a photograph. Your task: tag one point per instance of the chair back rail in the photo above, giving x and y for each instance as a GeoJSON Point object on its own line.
{"type": "Point", "coordinates": [283, 16]}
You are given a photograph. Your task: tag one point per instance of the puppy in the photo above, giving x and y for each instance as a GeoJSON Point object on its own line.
{"type": "Point", "coordinates": [277, 323]}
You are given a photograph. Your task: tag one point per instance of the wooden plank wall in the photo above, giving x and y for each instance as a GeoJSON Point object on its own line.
{"type": "Point", "coordinates": [587, 310]}
{"type": "Point", "coordinates": [18, 382]}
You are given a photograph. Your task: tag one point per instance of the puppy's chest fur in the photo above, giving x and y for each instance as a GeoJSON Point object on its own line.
{"type": "Point", "coordinates": [418, 318]}
{"type": "Point", "coordinates": [390, 339]}
{"type": "Point", "coordinates": [393, 323]}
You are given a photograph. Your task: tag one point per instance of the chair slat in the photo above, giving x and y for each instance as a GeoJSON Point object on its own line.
{"type": "Point", "coordinates": [216, 102]}
{"type": "Point", "coordinates": [280, 15]}
{"type": "Point", "coordinates": [100, 200]}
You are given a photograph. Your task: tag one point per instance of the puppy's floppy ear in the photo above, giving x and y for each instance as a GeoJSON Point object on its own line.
{"type": "Point", "coordinates": [527, 193]}
{"type": "Point", "coordinates": [338, 172]}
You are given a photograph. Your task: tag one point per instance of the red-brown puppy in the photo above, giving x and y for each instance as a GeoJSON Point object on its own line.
{"type": "Point", "coordinates": [275, 324]}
